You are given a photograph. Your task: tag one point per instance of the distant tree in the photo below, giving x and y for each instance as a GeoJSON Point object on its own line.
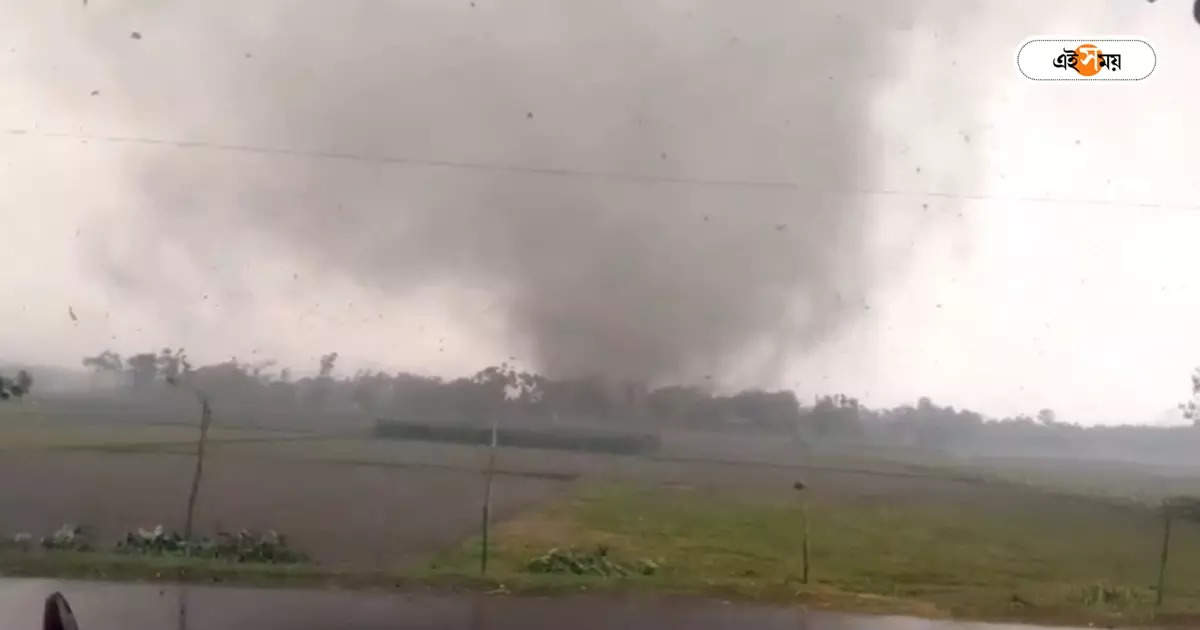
{"type": "Point", "coordinates": [834, 415]}
{"type": "Point", "coordinates": [107, 361]}
{"type": "Point", "coordinates": [143, 368]}
{"type": "Point", "coordinates": [172, 365]}
{"type": "Point", "coordinates": [327, 362]}
{"type": "Point", "coordinates": [1191, 408]}
{"type": "Point", "coordinates": [1047, 416]}
{"type": "Point", "coordinates": [15, 388]}
{"type": "Point", "coordinates": [24, 381]}
{"type": "Point", "coordinates": [317, 390]}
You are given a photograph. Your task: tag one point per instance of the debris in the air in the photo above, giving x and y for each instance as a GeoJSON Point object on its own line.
{"type": "Point", "coordinates": [71, 312]}
{"type": "Point", "coordinates": [781, 227]}
{"type": "Point", "coordinates": [135, 35]}
{"type": "Point", "coordinates": [95, 92]}
{"type": "Point", "coordinates": [528, 114]}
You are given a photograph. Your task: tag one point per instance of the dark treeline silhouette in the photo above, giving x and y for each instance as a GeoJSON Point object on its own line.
{"type": "Point", "coordinates": [260, 394]}
{"type": "Point", "coordinates": [927, 426]}
{"type": "Point", "coordinates": [245, 390]}
{"type": "Point", "coordinates": [15, 388]}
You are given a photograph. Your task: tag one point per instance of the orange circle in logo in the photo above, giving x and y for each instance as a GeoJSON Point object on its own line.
{"type": "Point", "coordinates": [1087, 59]}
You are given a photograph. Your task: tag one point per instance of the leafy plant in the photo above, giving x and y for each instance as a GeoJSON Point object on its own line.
{"type": "Point", "coordinates": [21, 540]}
{"type": "Point", "coordinates": [1101, 594]}
{"type": "Point", "coordinates": [245, 546]}
{"type": "Point", "coordinates": [596, 562]}
{"type": "Point", "coordinates": [68, 537]}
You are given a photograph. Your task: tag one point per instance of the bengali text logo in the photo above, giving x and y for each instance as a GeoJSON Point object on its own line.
{"type": "Point", "coordinates": [1062, 59]}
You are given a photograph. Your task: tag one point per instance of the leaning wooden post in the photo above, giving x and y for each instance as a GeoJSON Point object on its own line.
{"type": "Point", "coordinates": [804, 549]}
{"type": "Point", "coordinates": [205, 420]}
{"type": "Point", "coordinates": [1162, 561]}
{"type": "Point", "coordinates": [487, 500]}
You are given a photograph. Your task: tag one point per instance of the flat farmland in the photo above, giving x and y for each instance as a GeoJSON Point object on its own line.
{"type": "Point", "coordinates": [366, 517]}
{"type": "Point", "coordinates": [349, 501]}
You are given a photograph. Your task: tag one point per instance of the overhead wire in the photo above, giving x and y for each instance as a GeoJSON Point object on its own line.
{"type": "Point", "coordinates": [652, 178]}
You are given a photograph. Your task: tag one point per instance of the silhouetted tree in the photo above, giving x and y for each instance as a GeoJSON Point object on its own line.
{"type": "Point", "coordinates": [836, 415]}
{"type": "Point", "coordinates": [171, 365]}
{"type": "Point", "coordinates": [107, 361]}
{"type": "Point", "coordinates": [327, 362]}
{"type": "Point", "coordinates": [15, 388]}
{"type": "Point", "coordinates": [143, 368]}
{"type": "Point", "coordinates": [1191, 408]}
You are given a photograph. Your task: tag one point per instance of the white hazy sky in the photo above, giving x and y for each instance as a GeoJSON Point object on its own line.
{"type": "Point", "coordinates": [1056, 266]}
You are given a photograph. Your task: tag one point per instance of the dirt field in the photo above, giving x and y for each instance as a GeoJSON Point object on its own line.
{"type": "Point", "coordinates": [347, 501]}
{"type": "Point", "coordinates": [366, 516]}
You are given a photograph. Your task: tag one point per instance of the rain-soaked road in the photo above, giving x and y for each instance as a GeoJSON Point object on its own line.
{"type": "Point", "coordinates": [108, 606]}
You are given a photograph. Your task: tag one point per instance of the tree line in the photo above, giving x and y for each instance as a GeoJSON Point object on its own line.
{"type": "Point", "coordinates": [244, 391]}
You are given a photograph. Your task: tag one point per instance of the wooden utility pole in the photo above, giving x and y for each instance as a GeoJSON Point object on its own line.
{"type": "Point", "coordinates": [799, 486]}
{"type": "Point", "coordinates": [487, 500]}
{"type": "Point", "coordinates": [1172, 507]}
{"type": "Point", "coordinates": [1162, 561]}
{"type": "Point", "coordinates": [205, 421]}
{"type": "Point", "coordinates": [804, 578]}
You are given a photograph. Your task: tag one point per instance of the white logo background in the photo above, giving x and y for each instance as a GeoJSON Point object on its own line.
{"type": "Point", "coordinates": [1035, 58]}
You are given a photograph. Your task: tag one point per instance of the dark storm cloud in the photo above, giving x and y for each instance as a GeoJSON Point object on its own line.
{"type": "Point", "coordinates": [628, 277]}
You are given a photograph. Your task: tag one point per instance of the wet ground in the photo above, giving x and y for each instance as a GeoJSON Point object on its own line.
{"type": "Point", "coordinates": [109, 606]}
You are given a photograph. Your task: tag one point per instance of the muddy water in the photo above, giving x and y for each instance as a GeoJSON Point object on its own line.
{"type": "Point", "coordinates": [109, 606]}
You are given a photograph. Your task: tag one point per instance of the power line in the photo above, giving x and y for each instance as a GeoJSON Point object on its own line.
{"type": "Point", "coordinates": [767, 184]}
{"type": "Point", "coordinates": [411, 161]}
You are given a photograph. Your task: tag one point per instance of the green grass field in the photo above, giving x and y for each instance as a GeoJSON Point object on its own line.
{"type": "Point", "coordinates": [1029, 557]}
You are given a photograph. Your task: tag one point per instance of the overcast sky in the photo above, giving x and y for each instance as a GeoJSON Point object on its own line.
{"type": "Point", "coordinates": [989, 241]}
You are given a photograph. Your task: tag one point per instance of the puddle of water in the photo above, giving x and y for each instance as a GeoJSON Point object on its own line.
{"type": "Point", "coordinates": [117, 606]}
